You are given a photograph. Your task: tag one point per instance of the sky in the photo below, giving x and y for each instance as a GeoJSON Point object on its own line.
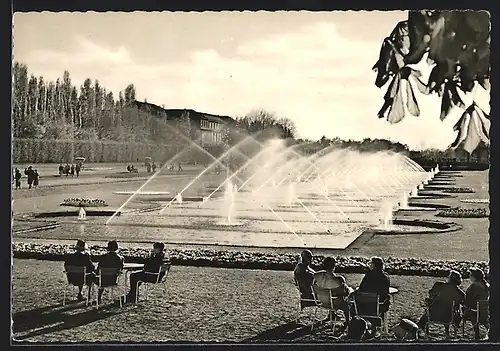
{"type": "Point", "coordinates": [312, 67]}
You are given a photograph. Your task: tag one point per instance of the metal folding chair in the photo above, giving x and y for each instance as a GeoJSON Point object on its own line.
{"type": "Point", "coordinates": [75, 276]}
{"type": "Point", "coordinates": [108, 279]}
{"type": "Point", "coordinates": [326, 300]}
{"type": "Point", "coordinates": [441, 313]}
{"type": "Point", "coordinates": [303, 303]}
{"type": "Point", "coordinates": [159, 278]}
{"type": "Point", "coordinates": [478, 316]}
{"type": "Point", "coordinates": [367, 305]}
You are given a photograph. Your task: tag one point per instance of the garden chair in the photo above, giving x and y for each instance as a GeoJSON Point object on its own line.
{"type": "Point", "coordinates": [367, 306]}
{"type": "Point", "coordinates": [439, 312]}
{"type": "Point", "coordinates": [108, 279]}
{"type": "Point", "coordinates": [75, 276]}
{"type": "Point", "coordinates": [303, 303]}
{"type": "Point", "coordinates": [478, 316]}
{"type": "Point", "coordinates": [325, 299]}
{"type": "Point", "coordinates": [159, 278]}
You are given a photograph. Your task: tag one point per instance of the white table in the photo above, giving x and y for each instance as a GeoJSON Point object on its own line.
{"type": "Point", "coordinates": [130, 267]}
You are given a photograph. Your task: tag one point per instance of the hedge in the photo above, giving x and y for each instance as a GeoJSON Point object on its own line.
{"type": "Point", "coordinates": [56, 151]}
{"type": "Point", "coordinates": [258, 260]}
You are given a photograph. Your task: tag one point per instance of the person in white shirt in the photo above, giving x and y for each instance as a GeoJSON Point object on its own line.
{"type": "Point", "coordinates": [328, 279]}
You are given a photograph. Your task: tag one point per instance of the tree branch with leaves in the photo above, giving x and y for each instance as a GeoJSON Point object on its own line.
{"type": "Point", "coordinates": [457, 45]}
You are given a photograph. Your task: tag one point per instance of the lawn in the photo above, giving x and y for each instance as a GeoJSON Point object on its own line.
{"type": "Point", "coordinates": [201, 304]}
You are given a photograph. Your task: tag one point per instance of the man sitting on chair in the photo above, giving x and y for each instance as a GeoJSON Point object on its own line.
{"type": "Point", "coordinates": [329, 280]}
{"type": "Point", "coordinates": [477, 291]}
{"type": "Point", "coordinates": [377, 281]}
{"type": "Point", "coordinates": [111, 259]}
{"type": "Point", "coordinates": [152, 266]}
{"type": "Point", "coordinates": [304, 277]}
{"type": "Point", "coordinates": [80, 258]}
{"type": "Point", "coordinates": [441, 296]}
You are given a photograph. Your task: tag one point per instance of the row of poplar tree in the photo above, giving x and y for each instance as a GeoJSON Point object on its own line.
{"type": "Point", "coordinates": [60, 110]}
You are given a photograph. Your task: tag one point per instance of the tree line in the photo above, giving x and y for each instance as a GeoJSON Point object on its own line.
{"type": "Point", "coordinates": [57, 121]}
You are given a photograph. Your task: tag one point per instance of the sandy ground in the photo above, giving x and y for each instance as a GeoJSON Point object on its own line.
{"type": "Point", "coordinates": [201, 304]}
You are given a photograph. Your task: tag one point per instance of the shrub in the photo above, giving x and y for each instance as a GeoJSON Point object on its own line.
{"type": "Point", "coordinates": [82, 202]}
{"type": "Point", "coordinates": [458, 212]}
{"type": "Point", "coordinates": [259, 260]}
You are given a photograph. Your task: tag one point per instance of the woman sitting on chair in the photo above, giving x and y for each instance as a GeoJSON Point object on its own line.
{"type": "Point", "coordinates": [149, 274]}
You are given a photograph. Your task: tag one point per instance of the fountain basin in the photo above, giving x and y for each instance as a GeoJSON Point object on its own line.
{"type": "Point", "coordinates": [416, 226]}
{"type": "Point", "coordinates": [89, 213]}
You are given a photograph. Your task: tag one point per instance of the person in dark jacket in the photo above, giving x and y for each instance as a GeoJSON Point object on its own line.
{"type": "Point", "coordinates": [304, 277]}
{"type": "Point", "coordinates": [29, 173]}
{"type": "Point", "coordinates": [36, 178]}
{"type": "Point", "coordinates": [111, 259]}
{"type": "Point", "coordinates": [78, 168]}
{"type": "Point", "coordinates": [80, 258]}
{"type": "Point", "coordinates": [17, 177]}
{"type": "Point", "coordinates": [441, 296]}
{"type": "Point", "coordinates": [151, 265]}
{"type": "Point", "coordinates": [377, 281]}
{"type": "Point", "coordinates": [478, 290]}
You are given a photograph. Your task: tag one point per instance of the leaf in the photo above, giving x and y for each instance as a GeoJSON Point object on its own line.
{"type": "Point", "coordinates": [455, 97]}
{"type": "Point", "coordinates": [411, 100]}
{"type": "Point", "coordinates": [461, 126]}
{"type": "Point", "coordinates": [485, 122]}
{"type": "Point", "coordinates": [445, 104]}
{"type": "Point", "coordinates": [397, 111]}
{"type": "Point", "coordinates": [474, 135]}
{"type": "Point", "coordinates": [422, 87]}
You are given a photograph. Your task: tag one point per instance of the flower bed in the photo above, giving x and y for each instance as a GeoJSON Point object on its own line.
{"type": "Point", "coordinates": [83, 202]}
{"type": "Point", "coordinates": [458, 212]}
{"type": "Point", "coordinates": [447, 189]}
{"type": "Point", "coordinates": [459, 190]}
{"type": "Point", "coordinates": [476, 201]}
{"type": "Point", "coordinates": [257, 260]}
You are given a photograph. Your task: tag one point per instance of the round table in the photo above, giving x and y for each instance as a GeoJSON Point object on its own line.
{"type": "Point", "coordinates": [130, 267]}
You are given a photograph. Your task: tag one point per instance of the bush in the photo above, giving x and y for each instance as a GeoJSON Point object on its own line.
{"type": "Point", "coordinates": [457, 212]}
{"type": "Point", "coordinates": [459, 190]}
{"type": "Point", "coordinates": [44, 150]}
{"type": "Point", "coordinates": [258, 260]}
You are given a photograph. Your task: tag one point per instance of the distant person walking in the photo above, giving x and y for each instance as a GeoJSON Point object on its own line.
{"type": "Point", "coordinates": [77, 169]}
{"type": "Point", "coordinates": [72, 170]}
{"type": "Point", "coordinates": [36, 178]}
{"type": "Point", "coordinates": [154, 167]}
{"type": "Point", "coordinates": [61, 169]}
{"type": "Point", "coordinates": [66, 169]}
{"type": "Point", "coordinates": [29, 173]}
{"type": "Point", "coordinates": [17, 178]}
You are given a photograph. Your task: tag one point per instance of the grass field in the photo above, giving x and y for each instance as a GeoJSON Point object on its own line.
{"type": "Point", "coordinates": [201, 304]}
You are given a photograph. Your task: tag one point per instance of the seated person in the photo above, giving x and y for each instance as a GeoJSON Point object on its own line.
{"type": "Point", "coordinates": [80, 258]}
{"type": "Point", "coordinates": [441, 296]}
{"type": "Point", "coordinates": [329, 280]}
{"type": "Point", "coordinates": [151, 265]}
{"type": "Point", "coordinates": [479, 289]}
{"type": "Point", "coordinates": [304, 276]}
{"type": "Point", "coordinates": [377, 281]}
{"type": "Point", "coordinates": [111, 259]}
